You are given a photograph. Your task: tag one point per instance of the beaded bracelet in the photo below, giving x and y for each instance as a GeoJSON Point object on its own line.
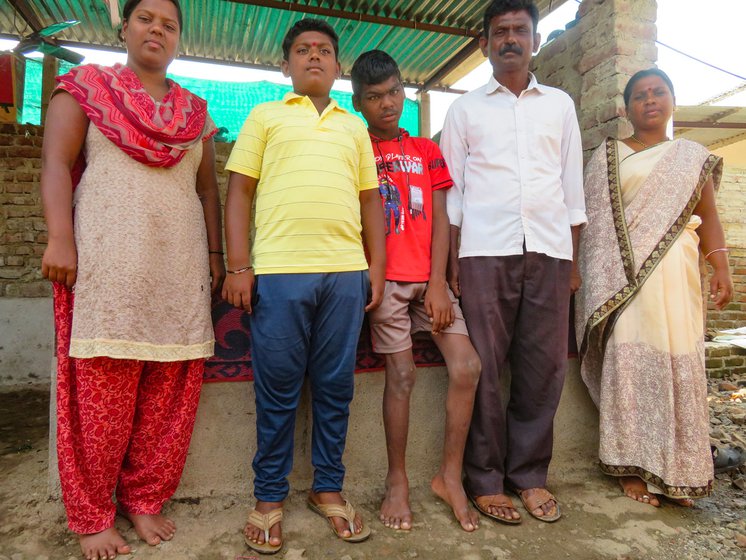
{"type": "Point", "coordinates": [721, 249]}
{"type": "Point", "coordinates": [239, 270]}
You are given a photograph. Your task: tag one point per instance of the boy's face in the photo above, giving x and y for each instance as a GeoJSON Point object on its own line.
{"type": "Point", "coordinates": [312, 64]}
{"type": "Point", "coordinates": [382, 105]}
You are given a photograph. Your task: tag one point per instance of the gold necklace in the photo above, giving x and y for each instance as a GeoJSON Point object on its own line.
{"type": "Point", "coordinates": [636, 139]}
{"type": "Point", "coordinates": [644, 145]}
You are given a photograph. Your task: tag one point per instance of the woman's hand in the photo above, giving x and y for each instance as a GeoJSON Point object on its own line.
{"type": "Point", "coordinates": [217, 273]}
{"type": "Point", "coordinates": [60, 261]}
{"type": "Point", "coordinates": [721, 287]}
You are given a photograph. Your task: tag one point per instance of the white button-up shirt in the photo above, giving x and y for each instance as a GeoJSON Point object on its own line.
{"type": "Point", "coordinates": [517, 168]}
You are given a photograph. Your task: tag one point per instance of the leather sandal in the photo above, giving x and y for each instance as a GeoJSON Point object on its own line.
{"type": "Point", "coordinates": [264, 522]}
{"type": "Point", "coordinates": [346, 512]}
{"type": "Point", "coordinates": [538, 498]}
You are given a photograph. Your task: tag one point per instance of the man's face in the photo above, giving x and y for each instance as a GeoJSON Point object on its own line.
{"type": "Point", "coordinates": [382, 105]}
{"type": "Point", "coordinates": [312, 64]}
{"type": "Point", "coordinates": [510, 43]}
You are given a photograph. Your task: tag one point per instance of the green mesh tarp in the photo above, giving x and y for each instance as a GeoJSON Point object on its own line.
{"type": "Point", "coordinates": [229, 102]}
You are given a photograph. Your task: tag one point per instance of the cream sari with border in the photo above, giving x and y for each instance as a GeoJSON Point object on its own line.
{"type": "Point", "coordinates": [639, 313]}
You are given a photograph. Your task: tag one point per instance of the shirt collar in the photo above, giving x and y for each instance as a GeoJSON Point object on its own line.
{"type": "Point", "coordinates": [291, 96]}
{"type": "Point", "coordinates": [494, 86]}
{"type": "Point", "coordinates": [402, 134]}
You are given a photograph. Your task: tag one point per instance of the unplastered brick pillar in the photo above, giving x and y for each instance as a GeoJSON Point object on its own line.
{"type": "Point", "coordinates": [592, 61]}
{"type": "Point", "coordinates": [618, 40]}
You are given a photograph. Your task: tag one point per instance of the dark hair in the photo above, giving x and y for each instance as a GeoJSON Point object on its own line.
{"type": "Point", "coordinates": [644, 74]}
{"type": "Point", "coordinates": [309, 24]}
{"type": "Point", "coordinates": [500, 7]}
{"type": "Point", "coordinates": [371, 68]}
{"type": "Point", "coordinates": [130, 6]}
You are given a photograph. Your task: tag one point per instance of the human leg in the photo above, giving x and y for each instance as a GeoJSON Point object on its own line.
{"type": "Point", "coordinates": [490, 296]}
{"type": "Point", "coordinates": [391, 332]}
{"type": "Point", "coordinates": [464, 367]}
{"type": "Point", "coordinates": [331, 363]}
{"type": "Point", "coordinates": [538, 360]}
{"type": "Point", "coordinates": [95, 409]}
{"type": "Point", "coordinates": [280, 325]}
{"type": "Point", "coordinates": [400, 377]}
{"type": "Point", "coordinates": [167, 399]}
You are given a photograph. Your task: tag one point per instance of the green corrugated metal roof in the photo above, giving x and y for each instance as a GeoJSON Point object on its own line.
{"type": "Point", "coordinates": [250, 34]}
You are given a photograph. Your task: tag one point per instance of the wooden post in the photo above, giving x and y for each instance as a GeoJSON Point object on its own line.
{"type": "Point", "coordinates": [49, 73]}
{"type": "Point", "coordinates": [424, 100]}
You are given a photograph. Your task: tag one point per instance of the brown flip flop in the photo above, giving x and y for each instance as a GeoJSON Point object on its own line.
{"type": "Point", "coordinates": [539, 497]}
{"type": "Point", "coordinates": [501, 500]}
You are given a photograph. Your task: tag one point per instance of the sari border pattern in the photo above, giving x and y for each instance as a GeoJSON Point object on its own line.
{"type": "Point", "coordinates": [655, 480]}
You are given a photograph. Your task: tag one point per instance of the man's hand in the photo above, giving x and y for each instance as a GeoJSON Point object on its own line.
{"type": "Point", "coordinates": [377, 275]}
{"type": "Point", "coordinates": [438, 306]}
{"type": "Point", "coordinates": [238, 288]}
{"type": "Point", "coordinates": [575, 279]}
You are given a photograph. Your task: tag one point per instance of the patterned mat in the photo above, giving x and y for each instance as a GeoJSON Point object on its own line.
{"type": "Point", "coordinates": [232, 359]}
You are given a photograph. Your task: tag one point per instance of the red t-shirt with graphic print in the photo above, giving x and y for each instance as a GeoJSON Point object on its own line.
{"type": "Point", "coordinates": [409, 170]}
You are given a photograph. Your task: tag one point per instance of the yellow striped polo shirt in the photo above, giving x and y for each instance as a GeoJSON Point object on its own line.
{"type": "Point", "coordinates": [311, 169]}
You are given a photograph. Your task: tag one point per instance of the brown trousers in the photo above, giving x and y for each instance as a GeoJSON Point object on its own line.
{"type": "Point", "coordinates": [516, 308]}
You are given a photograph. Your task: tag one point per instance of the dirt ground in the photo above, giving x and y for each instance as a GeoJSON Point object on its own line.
{"type": "Point", "coordinates": [598, 522]}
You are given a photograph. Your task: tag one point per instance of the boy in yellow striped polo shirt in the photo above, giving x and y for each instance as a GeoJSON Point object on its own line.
{"type": "Point", "coordinates": [309, 164]}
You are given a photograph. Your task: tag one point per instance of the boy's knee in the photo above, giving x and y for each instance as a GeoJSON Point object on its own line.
{"type": "Point", "coordinates": [401, 378]}
{"type": "Point", "coordinates": [466, 372]}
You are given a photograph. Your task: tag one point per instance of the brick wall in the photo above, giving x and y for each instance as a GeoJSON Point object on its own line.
{"type": "Point", "coordinates": [724, 360]}
{"type": "Point", "coordinates": [731, 202]}
{"type": "Point", "coordinates": [23, 233]}
{"type": "Point", "coordinates": [592, 61]}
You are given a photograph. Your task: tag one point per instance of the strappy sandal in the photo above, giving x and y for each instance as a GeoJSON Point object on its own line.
{"type": "Point", "coordinates": [264, 522]}
{"type": "Point", "coordinates": [500, 500]}
{"type": "Point", "coordinates": [538, 498]}
{"type": "Point", "coordinates": [345, 512]}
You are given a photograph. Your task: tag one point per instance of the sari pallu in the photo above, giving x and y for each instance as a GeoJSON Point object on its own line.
{"type": "Point", "coordinates": [639, 261]}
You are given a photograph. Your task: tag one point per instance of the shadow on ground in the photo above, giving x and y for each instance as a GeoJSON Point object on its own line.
{"type": "Point", "coordinates": [597, 522]}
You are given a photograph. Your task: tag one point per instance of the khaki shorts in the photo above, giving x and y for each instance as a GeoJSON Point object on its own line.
{"type": "Point", "coordinates": [402, 313]}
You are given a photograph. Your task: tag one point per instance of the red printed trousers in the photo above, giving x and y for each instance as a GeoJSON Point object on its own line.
{"type": "Point", "coordinates": [123, 426]}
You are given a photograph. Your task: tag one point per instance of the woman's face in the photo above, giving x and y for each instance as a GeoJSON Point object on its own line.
{"type": "Point", "coordinates": [151, 34]}
{"type": "Point", "coordinates": [651, 104]}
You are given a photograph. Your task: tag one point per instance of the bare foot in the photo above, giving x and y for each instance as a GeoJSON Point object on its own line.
{"type": "Point", "coordinates": [498, 506]}
{"type": "Point", "coordinates": [341, 526]}
{"type": "Point", "coordinates": [452, 492]}
{"type": "Point", "coordinates": [255, 534]}
{"type": "Point", "coordinates": [152, 528]}
{"type": "Point", "coordinates": [104, 545]}
{"type": "Point", "coordinates": [683, 502]}
{"type": "Point", "coordinates": [395, 510]}
{"type": "Point", "coordinates": [636, 489]}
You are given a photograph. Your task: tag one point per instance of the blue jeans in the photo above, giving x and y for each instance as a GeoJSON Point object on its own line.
{"type": "Point", "coordinates": [304, 323]}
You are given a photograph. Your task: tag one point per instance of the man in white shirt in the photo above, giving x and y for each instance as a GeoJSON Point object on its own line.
{"type": "Point", "coordinates": [514, 150]}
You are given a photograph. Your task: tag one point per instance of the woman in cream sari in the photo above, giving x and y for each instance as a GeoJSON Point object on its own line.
{"type": "Point", "coordinates": [651, 213]}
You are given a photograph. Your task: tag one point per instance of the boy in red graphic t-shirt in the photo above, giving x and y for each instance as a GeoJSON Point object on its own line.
{"type": "Point", "coordinates": [413, 180]}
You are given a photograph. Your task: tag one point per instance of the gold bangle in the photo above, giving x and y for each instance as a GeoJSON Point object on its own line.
{"type": "Point", "coordinates": [239, 270]}
{"type": "Point", "coordinates": [720, 250]}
